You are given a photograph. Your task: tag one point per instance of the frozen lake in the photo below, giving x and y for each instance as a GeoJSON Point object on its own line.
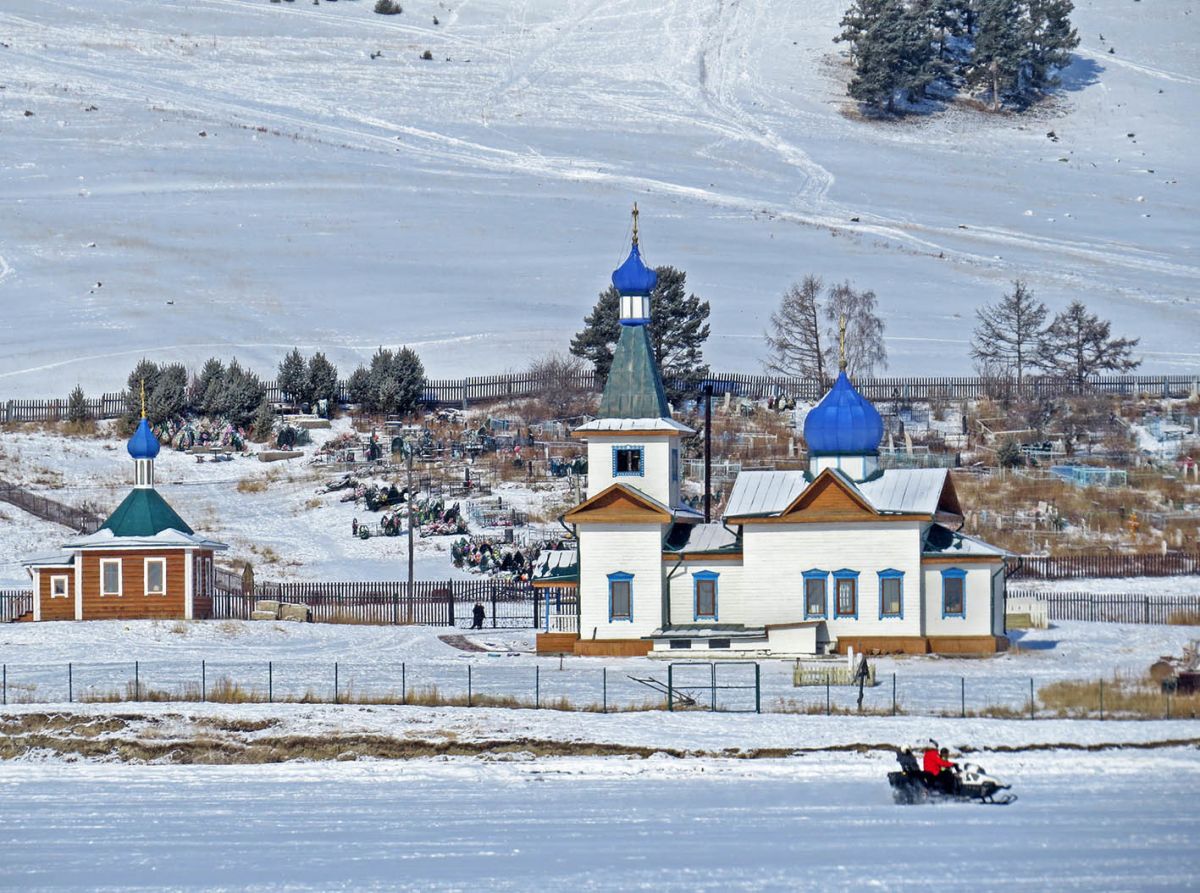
{"type": "Point", "coordinates": [1105, 821]}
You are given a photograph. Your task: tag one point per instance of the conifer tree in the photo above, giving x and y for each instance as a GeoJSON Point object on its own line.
{"type": "Point", "coordinates": [293, 377]}
{"type": "Point", "coordinates": [77, 407]}
{"type": "Point", "coordinates": [141, 380]}
{"type": "Point", "coordinates": [895, 56]}
{"type": "Point", "coordinates": [206, 389]}
{"type": "Point", "coordinates": [168, 399]}
{"type": "Point", "coordinates": [409, 374]}
{"type": "Point", "coordinates": [322, 381]}
{"type": "Point", "coordinates": [358, 388]}
{"type": "Point", "coordinates": [1009, 333]}
{"type": "Point", "coordinates": [264, 421]}
{"type": "Point", "coordinates": [1050, 38]}
{"type": "Point", "coordinates": [1077, 345]}
{"type": "Point", "coordinates": [999, 53]}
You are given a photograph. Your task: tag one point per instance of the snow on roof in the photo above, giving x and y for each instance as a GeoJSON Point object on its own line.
{"type": "Point", "coordinates": [714, 537]}
{"type": "Point", "coordinates": [941, 540]}
{"type": "Point", "coordinates": [618, 425]}
{"type": "Point", "coordinates": [169, 538]}
{"type": "Point", "coordinates": [900, 490]}
{"type": "Point", "coordinates": [60, 560]}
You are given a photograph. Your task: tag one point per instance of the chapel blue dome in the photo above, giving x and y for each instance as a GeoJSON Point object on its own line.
{"type": "Point", "coordinates": [143, 444]}
{"type": "Point", "coordinates": [634, 278]}
{"type": "Point", "coordinates": [843, 423]}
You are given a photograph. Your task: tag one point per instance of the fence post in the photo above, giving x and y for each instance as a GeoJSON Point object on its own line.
{"type": "Point", "coordinates": [757, 688]}
{"type": "Point", "coordinates": [493, 607]}
{"type": "Point", "coordinates": [450, 601]}
{"type": "Point", "coordinates": [403, 684]}
{"type": "Point", "coordinates": [203, 682]}
{"type": "Point", "coordinates": [137, 682]}
{"type": "Point", "coordinates": [712, 672]}
{"type": "Point", "coordinates": [893, 694]}
{"type": "Point", "coordinates": [335, 682]}
{"type": "Point", "coordinates": [963, 695]}
{"type": "Point", "coordinates": [5, 683]}
{"type": "Point", "coordinates": [670, 687]}
{"type": "Point", "coordinates": [70, 686]}
{"type": "Point", "coordinates": [1102, 700]}
{"type": "Point", "coordinates": [604, 691]}
{"type": "Point", "coordinates": [537, 686]}
{"type": "Point", "coordinates": [270, 682]}
{"type": "Point", "coordinates": [827, 704]}
{"type": "Point", "coordinates": [1031, 704]}
{"type": "Point", "coordinates": [1146, 600]}
{"type": "Point", "coordinates": [468, 685]}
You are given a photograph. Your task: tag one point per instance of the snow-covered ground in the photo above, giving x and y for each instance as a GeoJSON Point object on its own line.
{"type": "Point", "coordinates": [228, 177]}
{"type": "Point", "coordinates": [1090, 822]}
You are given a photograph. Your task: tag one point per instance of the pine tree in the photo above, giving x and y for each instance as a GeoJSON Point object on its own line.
{"type": "Point", "coordinates": [293, 378]}
{"type": "Point", "coordinates": [358, 388]}
{"type": "Point", "coordinates": [1009, 333]}
{"type": "Point", "coordinates": [168, 399]}
{"type": "Point", "coordinates": [382, 394]}
{"type": "Point", "coordinates": [206, 389]}
{"type": "Point", "coordinates": [795, 340]}
{"type": "Point", "coordinates": [1050, 38]}
{"type": "Point", "coordinates": [322, 380]}
{"type": "Point", "coordinates": [857, 20]}
{"type": "Point", "coordinates": [1077, 345]}
{"type": "Point", "coordinates": [409, 374]}
{"type": "Point", "coordinates": [141, 380]}
{"type": "Point", "coordinates": [241, 393]}
{"type": "Point", "coordinates": [78, 410]}
{"type": "Point", "coordinates": [678, 329]}
{"type": "Point", "coordinates": [264, 421]}
{"type": "Point", "coordinates": [999, 53]}
{"type": "Point", "coordinates": [895, 56]}
{"type": "Point", "coordinates": [866, 352]}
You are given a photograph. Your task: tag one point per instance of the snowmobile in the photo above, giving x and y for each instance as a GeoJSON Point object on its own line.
{"type": "Point", "coordinates": [970, 783]}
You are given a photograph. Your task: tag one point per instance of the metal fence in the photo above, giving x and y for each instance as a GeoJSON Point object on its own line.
{"type": "Point", "coordinates": [1117, 607]}
{"type": "Point", "coordinates": [1104, 564]}
{"type": "Point", "coordinates": [480, 389]}
{"type": "Point", "coordinates": [80, 519]}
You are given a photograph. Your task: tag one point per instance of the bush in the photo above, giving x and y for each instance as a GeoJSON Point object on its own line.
{"type": "Point", "coordinates": [388, 8]}
{"type": "Point", "coordinates": [427, 56]}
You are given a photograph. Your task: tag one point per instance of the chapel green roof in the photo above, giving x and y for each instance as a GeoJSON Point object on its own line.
{"type": "Point", "coordinates": [634, 389]}
{"type": "Point", "coordinates": [144, 513]}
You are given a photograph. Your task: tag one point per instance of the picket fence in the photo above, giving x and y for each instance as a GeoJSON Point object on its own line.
{"type": "Point", "coordinates": [481, 389]}
{"type": "Point", "coordinates": [1116, 607]}
{"type": "Point", "coordinates": [1103, 564]}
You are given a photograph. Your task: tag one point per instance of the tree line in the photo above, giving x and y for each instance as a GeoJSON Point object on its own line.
{"type": "Point", "coordinates": [1009, 51]}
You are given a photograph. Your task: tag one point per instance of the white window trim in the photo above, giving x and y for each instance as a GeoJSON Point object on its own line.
{"type": "Point", "coordinates": [146, 576]}
{"type": "Point", "coordinates": [66, 580]}
{"type": "Point", "coordinates": [120, 577]}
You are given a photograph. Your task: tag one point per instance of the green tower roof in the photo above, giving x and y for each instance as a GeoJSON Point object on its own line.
{"type": "Point", "coordinates": [144, 513]}
{"type": "Point", "coordinates": [634, 389]}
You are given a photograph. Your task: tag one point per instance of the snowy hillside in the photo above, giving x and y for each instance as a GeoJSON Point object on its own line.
{"type": "Point", "coordinates": [236, 176]}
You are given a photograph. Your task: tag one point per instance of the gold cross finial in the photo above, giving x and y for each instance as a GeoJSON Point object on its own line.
{"type": "Point", "coordinates": [143, 398]}
{"type": "Point", "coordinates": [842, 343]}
{"type": "Point", "coordinates": [635, 228]}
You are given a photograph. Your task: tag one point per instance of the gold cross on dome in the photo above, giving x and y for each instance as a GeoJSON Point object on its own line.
{"type": "Point", "coordinates": [143, 398]}
{"type": "Point", "coordinates": [842, 343]}
{"type": "Point", "coordinates": [635, 223]}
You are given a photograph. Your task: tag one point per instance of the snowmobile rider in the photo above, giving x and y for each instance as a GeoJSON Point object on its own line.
{"type": "Point", "coordinates": [933, 764]}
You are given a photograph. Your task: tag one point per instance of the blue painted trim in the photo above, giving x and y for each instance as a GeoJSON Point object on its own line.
{"type": "Point", "coordinates": [839, 575]}
{"type": "Point", "coordinates": [696, 578]}
{"type": "Point", "coordinates": [954, 573]}
{"type": "Point", "coordinates": [641, 461]}
{"type": "Point", "coordinates": [823, 576]}
{"type": "Point", "coordinates": [620, 577]}
{"type": "Point", "coordinates": [891, 574]}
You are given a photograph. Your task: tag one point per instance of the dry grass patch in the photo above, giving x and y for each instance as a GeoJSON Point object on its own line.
{"type": "Point", "coordinates": [1183, 618]}
{"type": "Point", "coordinates": [1117, 697]}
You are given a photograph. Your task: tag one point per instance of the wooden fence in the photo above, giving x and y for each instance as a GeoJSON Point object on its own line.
{"type": "Point", "coordinates": [14, 603]}
{"type": "Point", "coordinates": [1068, 567]}
{"type": "Point", "coordinates": [79, 519]}
{"type": "Point", "coordinates": [465, 391]}
{"type": "Point", "coordinates": [439, 603]}
{"type": "Point", "coordinates": [1116, 607]}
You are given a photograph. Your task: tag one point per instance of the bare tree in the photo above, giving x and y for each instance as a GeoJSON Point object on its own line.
{"type": "Point", "coordinates": [865, 350]}
{"type": "Point", "coordinates": [1077, 346]}
{"type": "Point", "coordinates": [794, 341]}
{"type": "Point", "coordinates": [1009, 333]}
{"type": "Point", "coordinates": [561, 378]}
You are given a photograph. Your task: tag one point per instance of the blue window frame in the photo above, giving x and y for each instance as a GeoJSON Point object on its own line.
{"type": "Point", "coordinates": [891, 594]}
{"type": "Point", "coordinates": [816, 594]}
{"type": "Point", "coordinates": [704, 595]}
{"type": "Point", "coordinates": [954, 592]}
{"type": "Point", "coordinates": [628, 461]}
{"type": "Point", "coordinates": [620, 597]}
{"type": "Point", "coordinates": [845, 593]}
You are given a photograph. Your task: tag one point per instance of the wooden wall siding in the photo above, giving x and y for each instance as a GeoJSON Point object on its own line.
{"type": "Point", "coordinates": [827, 500]}
{"type": "Point", "coordinates": [133, 603]}
{"type": "Point", "coordinates": [57, 608]}
{"type": "Point", "coordinates": [501, 387]}
{"type": "Point", "coordinates": [1155, 564]}
{"type": "Point", "coordinates": [616, 505]}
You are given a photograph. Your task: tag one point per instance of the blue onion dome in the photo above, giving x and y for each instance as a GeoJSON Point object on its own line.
{"type": "Point", "coordinates": [633, 278]}
{"type": "Point", "coordinates": [143, 444]}
{"type": "Point", "coordinates": [843, 423]}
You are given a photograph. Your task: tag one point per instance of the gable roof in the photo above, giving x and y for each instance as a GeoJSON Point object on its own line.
{"type": "Point", "coordinates": [634, 389]}
{"type": "Point", "coordinates": [898, 491]}
{"type": "Point", "coordinates": [618, 504]}
{"type": "Point", "coordinates": [833, 495]}
{"type": "Point", "coordinates": [144, 513]}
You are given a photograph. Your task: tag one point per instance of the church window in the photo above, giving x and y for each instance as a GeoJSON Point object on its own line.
{"type": "Point", "coordinates": [891, 593]}
{"type": "Point", "coordinates": [845, 593]}
{"type": "Point", "coordinates": [620, 597]}
{"type": "Point", "coordinates": [110, 576]}
{"type": "Point", "coordinates": [816, 587]}
{"type": "Point", "coordinates": [954, 590]}
{"type": "Point", "coordinates": [156, 576]}
{"type": "Point", "coordinates": [629, 461]}
{"type": "Point", "coordinates": [705, 596]}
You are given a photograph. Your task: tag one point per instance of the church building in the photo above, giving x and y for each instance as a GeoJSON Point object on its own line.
{"type": "Point", "coordinates": [143, 562]}
{"type": "Point", "coordinates": [841, 554]}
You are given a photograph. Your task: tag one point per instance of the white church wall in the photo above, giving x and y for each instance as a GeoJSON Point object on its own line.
{"type": "Point", "coordinates": [775, 557]}
{"type": "Point", "coordinates": [980, 610]}
{"type": "Point", "coordinates": [730, 583]}
{"type": "Point", "coordinates": [655, 480]}
{"type": "Point", "coordinates": [620, 548]}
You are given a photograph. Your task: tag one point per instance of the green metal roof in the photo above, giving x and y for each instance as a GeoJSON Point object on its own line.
{"type": "Point", "coordinates": [634, 389]}
{"type": "Point", "coordinates": [144, 513]}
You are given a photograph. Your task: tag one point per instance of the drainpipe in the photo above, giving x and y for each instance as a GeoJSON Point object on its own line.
{"type": "Point", "coordinates": [708, 452]}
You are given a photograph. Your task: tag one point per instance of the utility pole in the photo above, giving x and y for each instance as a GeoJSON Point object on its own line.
{"type": "Point", "coordinates": [708, 391]}
{"type": "Point", "coordinates": [408, 453]}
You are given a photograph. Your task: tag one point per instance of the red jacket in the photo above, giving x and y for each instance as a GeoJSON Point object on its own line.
{"type": "Point", "coordinates": [933, 762]}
